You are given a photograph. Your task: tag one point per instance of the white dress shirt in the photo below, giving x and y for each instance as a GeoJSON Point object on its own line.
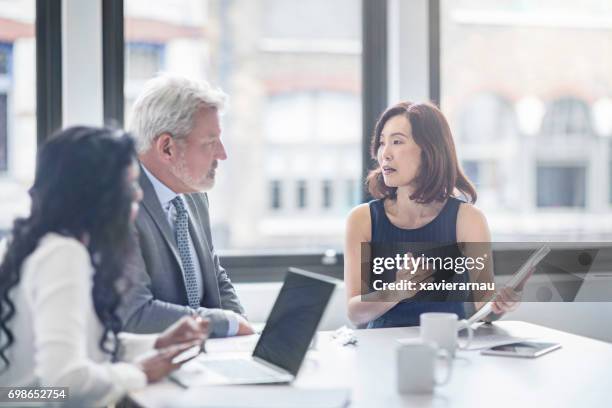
{"type": "Point", "coordinates": [165, 196]}
{"type": "Point", "coordinates": [57, 331]}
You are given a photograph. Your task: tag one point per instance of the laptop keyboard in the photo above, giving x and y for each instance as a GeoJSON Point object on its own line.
{"type": "Point", "coordinates": [240, 369]}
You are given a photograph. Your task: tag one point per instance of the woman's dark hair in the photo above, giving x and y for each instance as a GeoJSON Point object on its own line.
{"type": "Point", "coordinates": [440, 173]}
{"type": "Point", "coordinates": [80, 189]}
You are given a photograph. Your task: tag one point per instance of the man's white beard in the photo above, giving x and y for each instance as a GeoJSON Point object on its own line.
{"type": "Point", "coordinates": [180, 171]}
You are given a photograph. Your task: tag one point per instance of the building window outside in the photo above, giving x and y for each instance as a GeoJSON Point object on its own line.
{"type": "Point", "coordinates": [561, 186]}
{"type": "Point", "coordinates": [5, 58]}
{"type": "Point", "coordinates": [327, 191]}
{"type": "Point", "coordinates": [275, 194]}
{"type": "Point", "coordinates": [3, 132]}
{"type": "Point", "coordinates": [567, 117]}
{"type": "Point", "coordinates": [18, 142]}
{"type": "Point", "coordinates": [302, 194]}
{"type": "Point", "coordinates": [524, 130]}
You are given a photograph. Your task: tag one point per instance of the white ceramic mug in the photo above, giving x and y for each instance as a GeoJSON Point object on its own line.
{"type": "Point", "coordinates": [416, 366]}
{"type": "Point", "coordinates": [443, 329]}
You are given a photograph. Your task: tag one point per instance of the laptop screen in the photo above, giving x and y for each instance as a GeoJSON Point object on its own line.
{"type": "Point", "coordinates": [294, 319]}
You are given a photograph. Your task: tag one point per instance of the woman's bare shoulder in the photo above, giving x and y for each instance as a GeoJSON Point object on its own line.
{"type": "Point", "coordinates": [472, 224]}
{"type": "Point", "coordinates": [359, 221]}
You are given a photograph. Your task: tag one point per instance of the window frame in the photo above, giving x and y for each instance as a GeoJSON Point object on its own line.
{"type": "Point", "coordinates": [48, 36]}
{"type": "Point", "coordinates": [6, 48]}
{"type": "Point", "coordinates": [113, 49]}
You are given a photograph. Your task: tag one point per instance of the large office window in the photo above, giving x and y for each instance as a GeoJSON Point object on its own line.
{"type": "Point", "coordinates": [292, 70]}
{"type": "Point", "coordinates": [527, 94]}
{"type": "Point", "coordinates": [17, 109]}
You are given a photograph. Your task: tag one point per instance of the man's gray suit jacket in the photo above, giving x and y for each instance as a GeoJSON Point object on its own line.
{"type": "Point", "coordinates": [156, 295]}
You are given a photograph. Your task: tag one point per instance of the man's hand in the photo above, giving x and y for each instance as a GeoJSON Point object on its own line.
{"type": "Point", "coordinates": [186, 329]}
{"type": "Point", "coordinates": [244, 327]}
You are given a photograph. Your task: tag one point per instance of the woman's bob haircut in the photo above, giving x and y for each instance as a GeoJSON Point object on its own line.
{"type": "Point", "coordinates": [440, 175]}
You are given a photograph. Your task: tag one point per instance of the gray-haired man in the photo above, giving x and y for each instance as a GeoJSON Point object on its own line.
{"type": "Point", "coordinates": [175, 270]}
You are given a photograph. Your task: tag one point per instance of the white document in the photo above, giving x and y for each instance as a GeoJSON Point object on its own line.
{"type": "Point", "coordinates": [517, 278]}
{"type": "Point", "coordinates": [491, 335]}
{"type": "Point", "coordinates": [266, 396]}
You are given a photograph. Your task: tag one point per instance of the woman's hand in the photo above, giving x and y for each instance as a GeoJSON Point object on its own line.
{"type": "Point", "coordinates": [418, 276]}
{"type": "Point", "coordinates": [160, 364]}
{"type": "Point", "coordinates": [506, 300]}
{"type": "Point", "coordinates": [186, 329]}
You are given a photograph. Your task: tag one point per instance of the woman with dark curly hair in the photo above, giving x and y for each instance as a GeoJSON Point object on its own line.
{"type": "Point", "coordinates": [423, 197]}
{"type": "Point", "coordinates": [62, 273]}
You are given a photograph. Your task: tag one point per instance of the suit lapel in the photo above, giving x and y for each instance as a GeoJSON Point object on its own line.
{"type": "Point", "coordinates": [151, 204]}
{"type": "Point", "coordinates": [201, 244]}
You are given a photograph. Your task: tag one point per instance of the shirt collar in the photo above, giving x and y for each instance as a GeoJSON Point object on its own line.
{"type": "Point", "coordinates": [164, 194]}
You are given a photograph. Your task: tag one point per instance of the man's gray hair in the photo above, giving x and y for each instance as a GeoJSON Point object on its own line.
{"type": "Point", "coordinates": [168, 104]}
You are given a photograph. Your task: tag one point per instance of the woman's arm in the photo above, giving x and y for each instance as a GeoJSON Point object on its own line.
{"type": "Point", "coordinates": [473, 231]}
{"type": "Point", "coordinates": [185, 330]}
{"type": "Point", "coordinates": [66, 328]}
{"type": "Point", "coordinates": [358, 230]}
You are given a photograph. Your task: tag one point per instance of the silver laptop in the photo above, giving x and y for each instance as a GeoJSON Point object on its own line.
{"type": "Point", "coordinates": [283, 344]}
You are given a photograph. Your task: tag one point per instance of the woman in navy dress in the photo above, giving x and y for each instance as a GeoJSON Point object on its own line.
{"type": "Point", "coordinates": [421, 196]}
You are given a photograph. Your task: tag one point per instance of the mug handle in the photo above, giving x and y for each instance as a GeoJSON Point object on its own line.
{"type": "Point", "coordinates": [464, 325]}
{"type": "Point", "coordinates": [449, 366]}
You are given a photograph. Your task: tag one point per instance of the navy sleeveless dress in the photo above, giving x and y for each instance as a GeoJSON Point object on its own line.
{"type": "Point", "coordinates": [442, 229]}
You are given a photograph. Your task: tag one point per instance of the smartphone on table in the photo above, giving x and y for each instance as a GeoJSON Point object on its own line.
{"type": "Point", "coordinates": [524, 349]}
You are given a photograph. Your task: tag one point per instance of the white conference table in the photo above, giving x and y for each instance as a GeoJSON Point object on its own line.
{"type": "Point", "coordinates": [577, 375]}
